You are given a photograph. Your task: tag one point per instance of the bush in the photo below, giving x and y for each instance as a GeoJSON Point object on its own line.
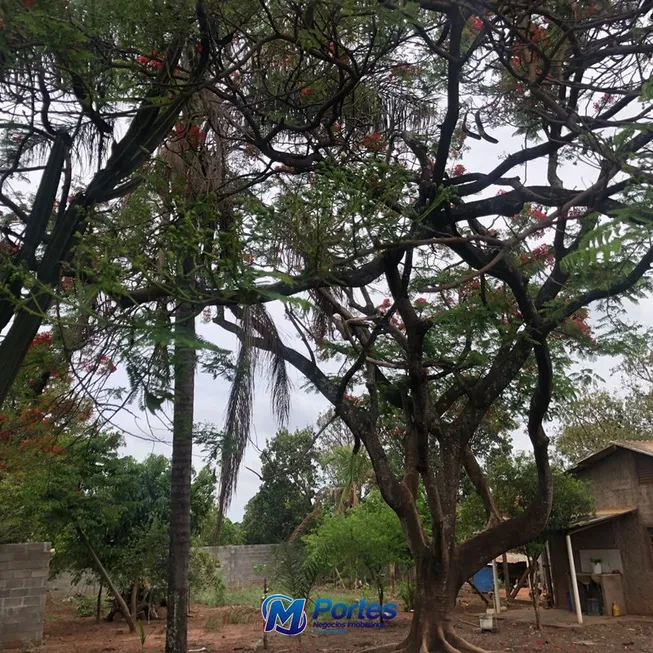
{"type": "Point", "coordinates": [205, 578]}
{"type": "Point", "coordinates": [85, 606]}
{"type": "Point", "coordinates": [406, 591]}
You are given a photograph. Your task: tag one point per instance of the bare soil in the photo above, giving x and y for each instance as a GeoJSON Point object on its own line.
{"type": "Point", "coordinates": [212, 630]}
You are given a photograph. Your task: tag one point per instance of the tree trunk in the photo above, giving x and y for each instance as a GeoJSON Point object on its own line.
{"type": "Point", "coordinates": [435, 598]}
{"type": "Point", "coordinates": [182, 449]}
{"type": "Point", "coordinates": [532, 565]}
{"type": "Point", "coordinates": [98, 607]}
{"type": "Point", "coordinates": [134, 600]}
{"type": "Point", "coordinates": [112, 588]}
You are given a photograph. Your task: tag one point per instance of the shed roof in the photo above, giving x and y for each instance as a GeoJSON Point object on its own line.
{"type": "Point", "coordinates": [600, 517]}
{"type": "Point", "coordinates": [513, 558]}
{"type": "Point", "coordinates": [644, 447]}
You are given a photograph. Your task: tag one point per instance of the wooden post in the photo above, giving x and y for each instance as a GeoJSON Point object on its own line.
{"type": "Point", "coordinates": [574, 580]}
{"type": "Point", "coordinates": [506, 576]}
{"type": "Point", "coordinates": [470, 582]}
{"type": "Point", "coordinates": [265, 594]}
{"type": "Point", "coordinates": [549, 572]}
{"type": "Point", "coordinates": [495, 578]}
{"type": "Point", "coordinates": [520, 584]}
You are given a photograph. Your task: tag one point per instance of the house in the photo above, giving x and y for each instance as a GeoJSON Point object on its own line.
{"type": "Point", "coordinates": [619, 535]}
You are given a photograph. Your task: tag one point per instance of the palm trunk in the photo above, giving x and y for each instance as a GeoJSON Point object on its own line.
{"type": "Point", "coordinates": [182, 449]}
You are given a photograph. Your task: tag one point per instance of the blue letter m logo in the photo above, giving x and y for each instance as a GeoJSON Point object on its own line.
{"type": "Point", "coordinates": [283, 614]}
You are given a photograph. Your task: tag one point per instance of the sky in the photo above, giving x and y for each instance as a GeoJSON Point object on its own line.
{"type": "Point", "coordinates": [144, 436]}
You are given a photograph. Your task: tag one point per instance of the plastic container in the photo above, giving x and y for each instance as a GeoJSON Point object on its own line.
{"type": "Point", "coordinates": [486, 622]}
{"type": "Point", "coordinates": [593, 607]}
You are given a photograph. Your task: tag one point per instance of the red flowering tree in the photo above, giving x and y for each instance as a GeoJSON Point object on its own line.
{"type": "Point", "coordinates": [488, 271]}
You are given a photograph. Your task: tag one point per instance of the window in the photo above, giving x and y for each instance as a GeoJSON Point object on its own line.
{"type": "Point", "coordinates": [645, 470]}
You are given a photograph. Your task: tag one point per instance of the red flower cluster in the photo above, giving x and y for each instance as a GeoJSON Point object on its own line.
{"type": "Point", "coordinates": [385, 305]}
{"type": "Point", "coordinates": [538, 33]}
{"type": "Point", "coordinates": [374, 142]}
{"type": "Point", "coordinates": [458, 170]}
{"type": "Point", "coordinates": [543, 254]}
{"type": "Point", "coordinates": [421, 301]}
{"type": "Point", "coordinates": [43, 338]}
{"type": "Point", "coordinates": [536, 213]}
{"type": "Point", "coordinates": [578, 323]}
{"type": "Point", "coordinates": [352, 398]}
{"type": "Point", "coordinates": [476, 23]}
{"type": "Point", "coordinates": [605, 101]}
{"type": "Point", "coordinates": [152, 60]}
{"type": "Point", "coordinates": [193, 134]}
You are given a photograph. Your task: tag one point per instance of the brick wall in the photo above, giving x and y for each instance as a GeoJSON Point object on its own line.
{"type": "Point", "coordinates": [23, 583]}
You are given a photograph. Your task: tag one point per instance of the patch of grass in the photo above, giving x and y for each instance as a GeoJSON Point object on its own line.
{"type": "Point", "coordinates": [251, 596]}
{"type": "Point", "coordinates": [244, 596]}
{"type": "Point", "coordinates": [239, 614]}
{"type": "Point", "coordinates": [248, 596]}
{"type": "Point", "coordinates": [213, 623]}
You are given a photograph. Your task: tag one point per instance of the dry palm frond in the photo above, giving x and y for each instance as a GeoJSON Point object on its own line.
{"type": "Point", "coordinates": [255, 322]}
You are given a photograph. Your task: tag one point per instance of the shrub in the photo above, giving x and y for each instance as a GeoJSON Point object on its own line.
{"type": "Point", "coordinates": [85, 606]}
{"type": "Point", "coordinates": [205, 578]}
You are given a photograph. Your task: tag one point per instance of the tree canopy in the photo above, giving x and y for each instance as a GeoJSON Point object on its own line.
{"type": "Point", "coordinates": [439, 192]}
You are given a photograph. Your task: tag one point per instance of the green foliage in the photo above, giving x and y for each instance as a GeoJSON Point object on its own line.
{"type": "Point", "coordinates": [232, 532]}
{"type": "Point", "coordinates": [599, 418]}
{"type": "Point", "coordinates": [86, 606]}
{"type": "Point", "coordinates": [513, 480]}
{"type": "Point", "coordinates": [121, 504]}
{"type": "Point", "coordinates": [295, 572]}
{"type": "Point", "coordinates": [205, 577]}
{"type": "Point", "coordinates": [289, 477]}
{"type": "Point", "coordinates": [406, 591]}
{"type": "Point", "coordinates": [361, 543]}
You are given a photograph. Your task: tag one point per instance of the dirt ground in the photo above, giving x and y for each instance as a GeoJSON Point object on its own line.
{"type": "Point", "coordinates": [212, 630]}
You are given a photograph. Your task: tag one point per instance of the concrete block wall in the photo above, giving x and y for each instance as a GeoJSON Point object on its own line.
{"type": "Point", "coordinates": [244, 564]}
{"type": "Point", "coordinates": [64, 585]}
{"type": "Point", "coordinates": [23, 585]}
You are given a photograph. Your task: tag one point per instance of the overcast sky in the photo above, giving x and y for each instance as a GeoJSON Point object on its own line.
{"type": "Point", "coordinates": [145, 435]}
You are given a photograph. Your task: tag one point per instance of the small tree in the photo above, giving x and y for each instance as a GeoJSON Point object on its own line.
{"type": "Point", "coordinates": [289, 477]}
{"type": "Point", "coordinates": [362, 542]}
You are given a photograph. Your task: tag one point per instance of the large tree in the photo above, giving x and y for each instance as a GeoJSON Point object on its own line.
{"type": "Point", "coordinates": [480, 319]}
